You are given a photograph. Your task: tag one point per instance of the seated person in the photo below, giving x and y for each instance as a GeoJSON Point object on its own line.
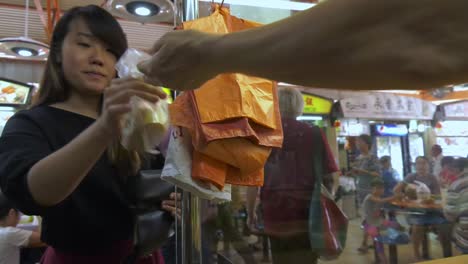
{"type": "Point", "coordinates": [456, 209]}
{"type": "Point", "coordinates": [447, 174]}
{"type": "Point", "coordinates": [419, 223]}
{"type": "Point", "coordinates": [11, 237]}
{"type": "Point", "coordinates": [373, 215]}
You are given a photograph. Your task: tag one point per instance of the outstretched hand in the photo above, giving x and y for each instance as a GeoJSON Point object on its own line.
{"type": "Point", "coordinates": [181, 60]}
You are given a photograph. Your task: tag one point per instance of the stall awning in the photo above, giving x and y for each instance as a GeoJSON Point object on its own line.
{"type": "Point", "coordinates": [385, 106]}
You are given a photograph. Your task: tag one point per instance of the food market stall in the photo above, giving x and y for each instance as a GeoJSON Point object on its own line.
{"type": "Point", "coordinates": [14, 96]}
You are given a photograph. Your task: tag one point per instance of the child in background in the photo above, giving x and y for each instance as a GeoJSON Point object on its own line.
{"type": "Point", "coordinates": [12, 238]}
{"type": "Point", "coordinates": [389, 175]}
{"type": "Point", "coordinates": [373, 215]}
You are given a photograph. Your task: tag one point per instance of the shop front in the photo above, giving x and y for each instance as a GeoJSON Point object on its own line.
{"type": "Point", "coordinates": [316, 110]}
{"type": "Point", "coordinates": [396, 123]}
{"type": "Point", "coordinates": [14, 96]}
{"type": "Point", "coordinates": [452, 132]}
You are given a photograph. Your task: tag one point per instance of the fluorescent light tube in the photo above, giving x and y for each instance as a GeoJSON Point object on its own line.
{"type": "Point", "coordinates": [276, 4]}
{"type": "Point", "coordinates": [309, 118]}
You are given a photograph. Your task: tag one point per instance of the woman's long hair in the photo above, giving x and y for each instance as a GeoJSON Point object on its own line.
{"type": "Point", "coordinates": [54, 87]}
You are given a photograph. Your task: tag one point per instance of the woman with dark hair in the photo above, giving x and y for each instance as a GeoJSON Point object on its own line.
{"type": "Point", "coordinates": [53, 159]}
{"type": "Point", "coordinates": [364, 169]}
{"type": "Point", "coordinates": [418, 223]}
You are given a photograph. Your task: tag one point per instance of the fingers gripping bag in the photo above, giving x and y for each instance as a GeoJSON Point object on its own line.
{"type": "Point", "coordinates": [178, 168]}
{"type": "Point", "coordinates": [144, 127]}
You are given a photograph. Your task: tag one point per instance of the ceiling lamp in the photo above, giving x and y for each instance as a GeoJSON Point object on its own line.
{"type": "Point", "coordinates": [143, 11]}
{"type": "Point", "coordinates": [24, 48]}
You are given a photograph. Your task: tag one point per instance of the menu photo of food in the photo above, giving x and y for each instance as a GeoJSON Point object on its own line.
{"type": "Point", "coordinates": [13, 94]}
{"type": "Point", "coordinates": [4, 116]}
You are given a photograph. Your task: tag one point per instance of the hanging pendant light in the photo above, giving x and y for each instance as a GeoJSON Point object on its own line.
{"type": "Point", "coordinates": [24, 48]}
{"type": "Point", "coordinates": [143, 11]}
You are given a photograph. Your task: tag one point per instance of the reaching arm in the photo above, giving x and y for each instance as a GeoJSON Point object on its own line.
{"type": "Point", "coordinates": [359, 44]}
{"type": "Point", "coordinates": [56, 176]}
{"type": "Point", "coordinates": [383, 200]}
{"type": "Point", "coordinates": [371, 173]}
{"type": "Point", "coordinates": [399, 188]}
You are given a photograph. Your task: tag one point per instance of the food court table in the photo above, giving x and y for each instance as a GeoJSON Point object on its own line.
{"type": "Point", "coordinates": [426, 214]}
{"type": "Point", "coordinates": [452, 260]}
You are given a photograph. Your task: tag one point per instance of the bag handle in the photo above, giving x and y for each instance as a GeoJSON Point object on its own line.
{"type": "Point", "coordinates": [317, 163]}
{"type": "Point", "coordinates": [220, 5]}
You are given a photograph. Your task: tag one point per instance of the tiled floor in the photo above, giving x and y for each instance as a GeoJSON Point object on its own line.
{"type": "Point", "coordinates": [405, 252]}
{"type": "Point", "coordinates": [352, 256]}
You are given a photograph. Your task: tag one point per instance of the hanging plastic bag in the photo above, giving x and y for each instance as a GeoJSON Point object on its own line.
{"type": "Point", "coordinates": [147, 123]}
{"type": "Point", "coordinates": [178, 169]}
{"type": "Point", "coordinates": [422, 191]}
{"type": "Point", "coordinates": [232, 137]}
{"type": "Point", "coordinates": [219, 174]}
{"type": "Point", "coordinates": [248, 96]}
{"type": "Point", "coordinates": [183, 114]}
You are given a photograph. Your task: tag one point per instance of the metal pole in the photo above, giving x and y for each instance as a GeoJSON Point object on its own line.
{"type": "Point", "coordinates": [190, 9]}
{"type": "Point", "coordinates": [191, 220]}
{"type": "Point", "coordinates": [178, 12]}
{"type": "Point", "coordinates": [186, 229]}
{"type": "Point", "coordinates": [197, 257]}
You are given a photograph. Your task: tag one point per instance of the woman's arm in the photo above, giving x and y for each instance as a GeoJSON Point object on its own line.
{"type": "Point", "coordinates": [362, 171]}
{"type": "Point", "coordinates": [399, 188]}
{"type": "Point", "coordinates": [56, 176]}
{"type": "Point", "coordinates": [383, 200]}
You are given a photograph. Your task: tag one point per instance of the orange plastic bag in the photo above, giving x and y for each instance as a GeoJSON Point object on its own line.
{"type": "Point", "coordinates": [207, 169]}
{"type": "Point", "coordinates": [247, 96]}
{"type": "Point", "coordinates": [212, 169]}
{"type": "Point", "coordinates": [234, 119]}
{"type": "Point", "coordinates": [238, 152]}
{"type": "Point", "coordinates": [240, 127]}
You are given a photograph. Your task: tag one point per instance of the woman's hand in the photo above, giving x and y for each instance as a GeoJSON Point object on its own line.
{"type": "Point", "coordinates": [174, 205]}
{"type": "Point", "coordinates": [116, 101]}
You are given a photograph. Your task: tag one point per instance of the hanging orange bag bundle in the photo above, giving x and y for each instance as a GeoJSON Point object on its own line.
{"type": "Point", "coordinates": [234, 119]}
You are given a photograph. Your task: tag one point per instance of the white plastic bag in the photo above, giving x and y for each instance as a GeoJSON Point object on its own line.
{"type": "Point", "coordinates": [423, 192]}
{"type": "Point", "coordinates": [178, 169]}
{"type": "Point", "coordinates": [147, 123]}
{"type": "Point", "coordinates": [127, 64]}
{"type": "Point", "coordinates": [347, 183]}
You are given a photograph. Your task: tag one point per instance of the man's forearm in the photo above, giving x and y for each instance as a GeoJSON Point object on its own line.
{"type": "Point", "coordinates": [358, 44]}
